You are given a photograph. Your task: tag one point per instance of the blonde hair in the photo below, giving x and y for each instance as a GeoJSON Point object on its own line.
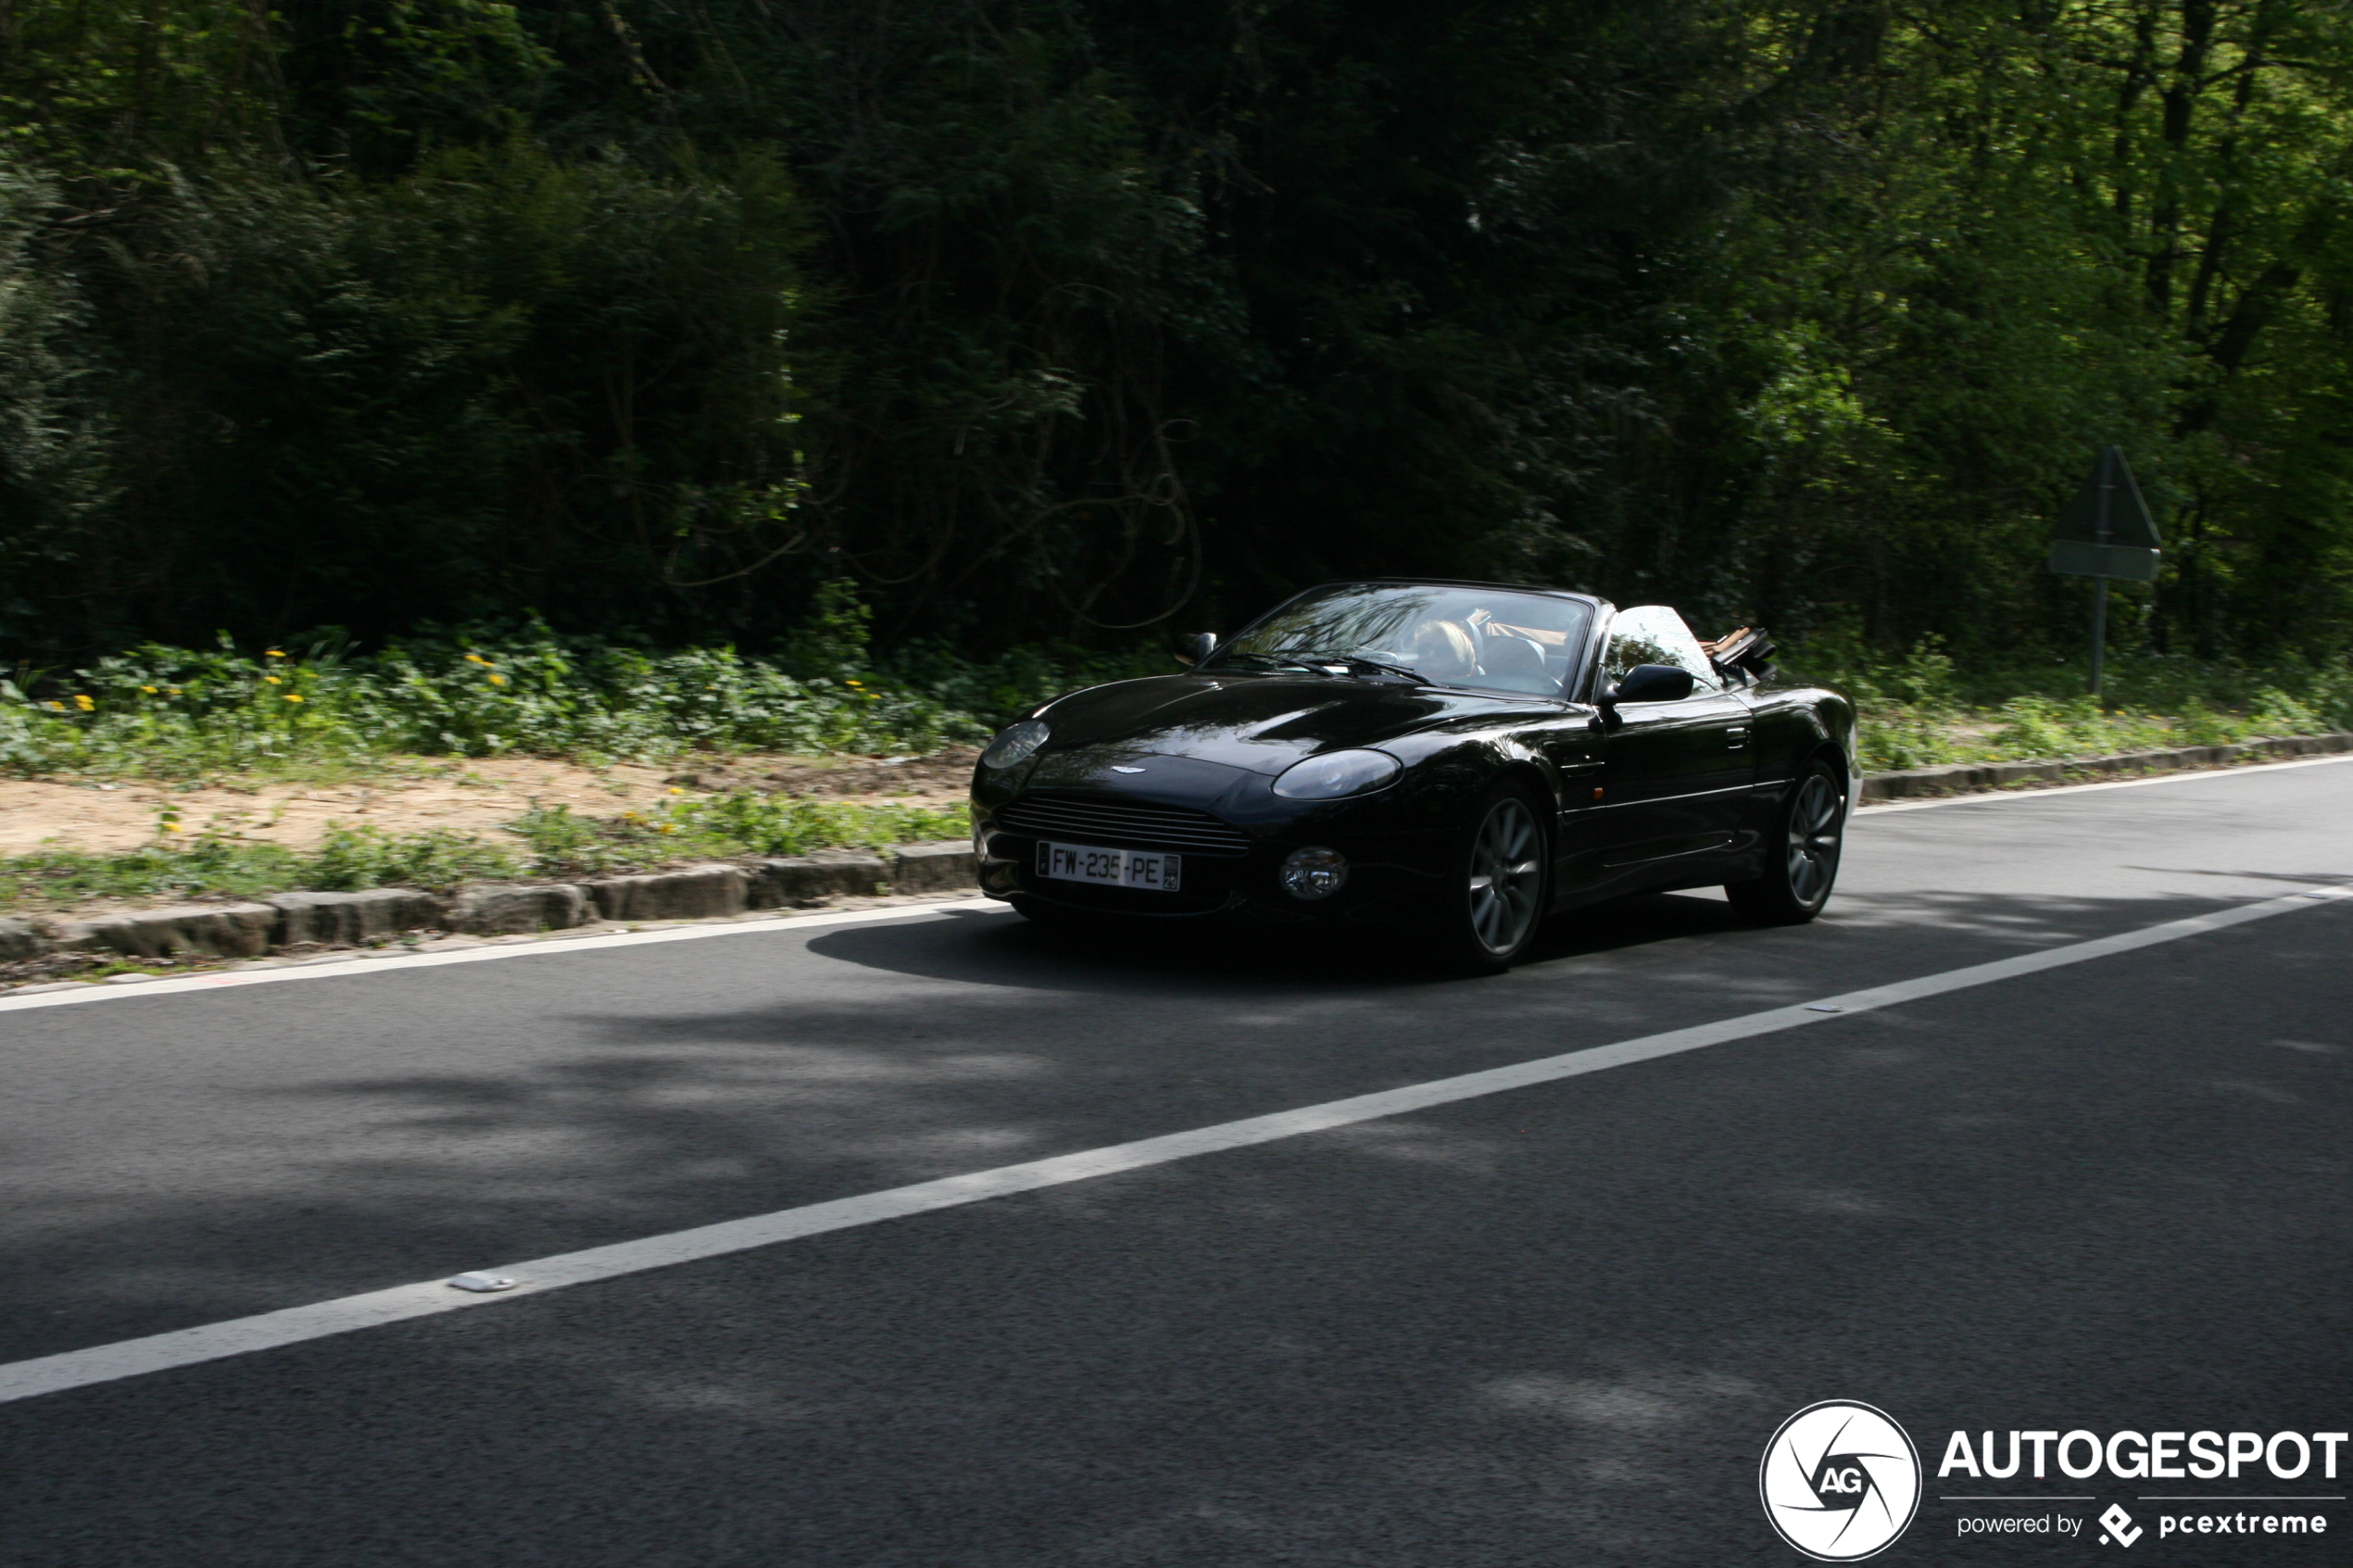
{"type": "Point", "coordinates": [1456, 637]}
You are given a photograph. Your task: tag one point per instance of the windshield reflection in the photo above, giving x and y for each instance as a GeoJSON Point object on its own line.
{"type": "Point", "coordinates": [1487, 639]}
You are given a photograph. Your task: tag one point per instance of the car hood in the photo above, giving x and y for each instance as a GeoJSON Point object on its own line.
{"type": "Point", "coordinates": [1258, 723]}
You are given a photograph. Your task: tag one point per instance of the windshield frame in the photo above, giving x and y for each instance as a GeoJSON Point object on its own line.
{"type": "Point", "coordinates": [1581, 655]}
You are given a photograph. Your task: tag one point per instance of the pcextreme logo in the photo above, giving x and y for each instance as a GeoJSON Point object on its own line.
{"type": "Point", "coordinates": [1839, 1481]}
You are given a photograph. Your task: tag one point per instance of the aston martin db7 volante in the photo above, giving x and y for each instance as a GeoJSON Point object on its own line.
{"type": "Point", "coordinates": [1458, 757]}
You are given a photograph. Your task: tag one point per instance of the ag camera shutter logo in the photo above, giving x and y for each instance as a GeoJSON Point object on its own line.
{"type": "Point", "coordinates": [1839, 1481]}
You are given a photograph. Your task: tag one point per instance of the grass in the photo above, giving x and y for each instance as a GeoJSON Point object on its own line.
{"type": "Point", "coordinates": [166, 713]}
{"type": "Point", "coordinates": [1922, 710]}
{"type": "Point", "coordinates": [549, 841]}
{"type": "Point", "coordinates": [323, 713]}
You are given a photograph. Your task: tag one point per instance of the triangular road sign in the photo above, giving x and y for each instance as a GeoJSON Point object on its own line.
{"type": "Point", "coordinates": [2106, 530]}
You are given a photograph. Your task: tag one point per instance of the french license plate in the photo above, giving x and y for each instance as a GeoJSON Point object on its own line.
{"type": "Point", "coordinates": [1111, 868]}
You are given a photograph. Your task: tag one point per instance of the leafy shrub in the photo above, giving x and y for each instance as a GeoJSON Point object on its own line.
{"type": "Point", "coordinates": [351, 859]}
{"type": "Point", "coordinates": [168, 712]}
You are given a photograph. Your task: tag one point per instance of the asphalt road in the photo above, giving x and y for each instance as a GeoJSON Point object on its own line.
{"type": "Point", "coordinates": [1552, 1326]}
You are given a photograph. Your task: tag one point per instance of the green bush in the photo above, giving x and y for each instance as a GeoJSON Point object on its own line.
{"type": "Point", "coordinates": [166, 712]}
{"type": "Point", "coordinates": [1922, 709]}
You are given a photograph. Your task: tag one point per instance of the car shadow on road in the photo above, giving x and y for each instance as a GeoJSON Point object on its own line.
{"type": "Point", "coordinates": [1007, 949]}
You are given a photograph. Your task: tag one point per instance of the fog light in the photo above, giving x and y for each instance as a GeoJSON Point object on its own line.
{"type": "Point", "coordinates": [1314, 873]}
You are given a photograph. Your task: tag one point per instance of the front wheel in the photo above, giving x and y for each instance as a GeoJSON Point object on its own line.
{"type": "Point", "coordinates": [1801, 854]}
{"type": "Point", "coordinates": [1501, 876]}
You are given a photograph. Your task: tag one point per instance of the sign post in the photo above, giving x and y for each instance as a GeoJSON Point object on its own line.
{"type": "Point", "coordinates": [2105, 532]}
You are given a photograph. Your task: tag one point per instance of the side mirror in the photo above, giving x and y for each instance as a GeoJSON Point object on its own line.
{"type": "Point", "coordinates": [1197, 647]}
{"type": "Point", "coordinates": [1650, 682]}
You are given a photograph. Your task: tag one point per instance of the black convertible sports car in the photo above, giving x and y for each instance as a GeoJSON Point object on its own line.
{"type": "Point", "coordinates": [1460, 755]}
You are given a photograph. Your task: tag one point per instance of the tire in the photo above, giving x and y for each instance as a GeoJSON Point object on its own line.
{"type": "Point", "coordinates": [1501, 883]}
{"type": "Point", "coordinates": [1802, 852]}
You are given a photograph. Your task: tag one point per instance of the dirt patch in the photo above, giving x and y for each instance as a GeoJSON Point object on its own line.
{"type": "Point", "coordinates": [472, 795]}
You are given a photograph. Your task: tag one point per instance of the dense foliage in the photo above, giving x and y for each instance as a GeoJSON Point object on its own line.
{"type": "Point", "coordinates": [1089, 319]}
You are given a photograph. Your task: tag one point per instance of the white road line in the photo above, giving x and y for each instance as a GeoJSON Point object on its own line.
{"type": "Point", "coordinates": [130, 1358]}
{"type": "Point", "coordinates": [392, 964]}
{"type": "Point", "coordinates": [2190, 776]}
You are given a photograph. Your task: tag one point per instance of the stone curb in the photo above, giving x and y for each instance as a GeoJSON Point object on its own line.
{"type": "Point", "coordinates": [345, 919]}
{"type": "Point", "coordinates": [807, 879]}
{"type": "Point", "coordinates": [1968, 778]}
{"type": "Point", "coordinates": [720, 890]}
{"type": "Point", "coordinates": [716, 891]}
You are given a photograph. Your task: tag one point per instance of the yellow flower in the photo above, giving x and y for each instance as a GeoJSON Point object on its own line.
{"type": "Point", "coordinates": [275, 653]}
{"type": "Point", "coordinates": [84, 703]}
{"type": "Point", "coordinates": [174, 692]}
{"type": "Point", "coordinates": [149, 690]}
{"type": "Point", "coordinates": [476, 659]}
{"type": "Point", "coordinates": [855, 683]}
{"type": "Point", "coordinates": [171, 827]}
{"type": "Point", "coordinates": [497, 679]}
{"type": "Point", "coordinates": [668, 828]}
{"type": "Point", "coordinates": [675, 790]}
{"type": "Point", "coordinates": [59, 706]}
{"type": "Point", "coordinates": [293, 697]}
{"type": "Point", "coordinates": [273, 680]}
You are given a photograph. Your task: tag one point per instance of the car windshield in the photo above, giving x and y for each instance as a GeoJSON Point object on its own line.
{"type": "Point", "coordinates": [1489, 639]}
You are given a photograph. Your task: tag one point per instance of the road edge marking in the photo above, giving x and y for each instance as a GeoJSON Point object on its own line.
{"type": "Point", "coordinates": [2179, 775]}
{"type": "Point", "coordinates": [294, 1325]}
{"type": "Point", "coordinates": [601, 942]}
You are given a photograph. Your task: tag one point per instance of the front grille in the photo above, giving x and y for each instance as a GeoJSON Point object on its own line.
{"type": "Point", "coordinates": [1122, 824]}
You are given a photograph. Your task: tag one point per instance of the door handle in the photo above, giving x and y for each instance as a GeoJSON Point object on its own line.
{"type": "Point", "coordinates": [1736, 737]}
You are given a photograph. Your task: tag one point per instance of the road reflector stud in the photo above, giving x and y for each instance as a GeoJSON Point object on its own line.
{"type": "Point", "coordinates": [484, 1283]}
{"type": "Point", "coordinates": [1824, 1007]}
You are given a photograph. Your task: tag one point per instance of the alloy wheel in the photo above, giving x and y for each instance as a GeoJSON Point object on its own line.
{"type": "Point", "coordinates": [1814, 835]}
{"type": "Point", "coordinates": [1506, 875]}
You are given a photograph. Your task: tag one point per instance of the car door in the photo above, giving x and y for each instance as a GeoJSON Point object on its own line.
{"type": "Point", "coordinates": [1675, 776]}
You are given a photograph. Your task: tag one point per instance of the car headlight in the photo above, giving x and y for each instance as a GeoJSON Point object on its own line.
{"type": "Point", "coordinates": [1313, 874]}
{"type": "Point", "coordinates": [1336, 774]}
{"type": "Point", "coordinates": [1015, 742]}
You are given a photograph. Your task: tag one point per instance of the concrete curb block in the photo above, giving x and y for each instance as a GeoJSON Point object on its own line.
{"type": "Point", "coordinates": [693, 892]}
{"type": "Point", "coordinates": [345, 919]}
{"type": "Point", "coordinates": [495, 908]}
{"type": "Point", "coordinates": [18, 940]}
{"type": "Point", "coordinates": [934, 868]}
{"type": "Point", "coordinates": [236, 930]}
{"type": "Point", "coordinates": [1968, 778]}
{"type": "Point", "coordinates": [784, 883]}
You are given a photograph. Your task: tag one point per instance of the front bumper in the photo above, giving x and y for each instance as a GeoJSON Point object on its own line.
{"type": "Point", "coordinates": [1392, 878]}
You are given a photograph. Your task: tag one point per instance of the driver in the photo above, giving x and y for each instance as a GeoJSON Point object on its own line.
{"type": "Point", "coordinates": [1442, 650]}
